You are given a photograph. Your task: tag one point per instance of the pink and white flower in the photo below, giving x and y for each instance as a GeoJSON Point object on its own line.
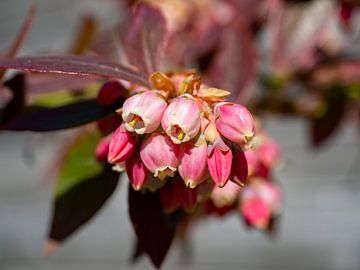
{"type": "Point", "coordinates": [234, 122]}
{"type": "Point", "coordinates": [192, 166]}
{"type": "Point", "coordinates": [219, 163]}
{"type": "Point", "coordinates": [122, 145]}
{"type": "Point", "coordinates": [160, 155]}
{"type": "Point", "coordinates": [181, 120]}
{"type": "Point", "coordinates": [142, 113]}
{"type": "Point", "coordinates": [136, 172]}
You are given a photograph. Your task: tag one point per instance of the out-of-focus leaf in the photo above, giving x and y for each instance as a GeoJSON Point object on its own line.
{"type": "Point", "coordinates": [79, 163]}
{"type": "Point", "coordinates": [154, 229]}
{"type": "Point", "coordinates": [77, 206]}
{"type": "Point", "coordinates": [38, 83]}
{"type": "Point", "coordinates": [60, 98]}
{"type": "Point", "coordinates": [16, 104]}
{"type": "Point", "coordinates": [49, 119]}
{"type": "Point", "coordinates": [325, 125]}
{"type": "Point", "coordinates": [20, 39]}
{"type": "Point", "coordinates": [85, 35]}
{"type": "Point", "coordinates": [146, 38]}
{"type": "Point", "coordinates": [234, 65]}
{"type": "Point", "coordinates": [75, 65]}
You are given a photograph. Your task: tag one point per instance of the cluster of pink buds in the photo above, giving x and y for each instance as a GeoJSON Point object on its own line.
{"type": "Point", "coordinates": [181, 129]}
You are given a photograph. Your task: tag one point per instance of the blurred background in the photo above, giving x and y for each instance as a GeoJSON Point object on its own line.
{"type": "Point", "coordinates": [319, 228]}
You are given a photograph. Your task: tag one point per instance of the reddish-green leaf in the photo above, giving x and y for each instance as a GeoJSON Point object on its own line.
{"type": "Point", "coordinates": [146, 38]}
{"type": "Point", "coordinates": [75, 65]}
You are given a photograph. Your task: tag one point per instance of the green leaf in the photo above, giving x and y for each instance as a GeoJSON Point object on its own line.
{"type": "Point", "coordinates": [64, 97]}
{"type": "Point", "coordinates": [79, 162]}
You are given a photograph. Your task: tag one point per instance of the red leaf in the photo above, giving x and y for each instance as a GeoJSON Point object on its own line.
{"type": "Point", "coordinates": [75, 65]}
{"type": "Point", "coordinates": [154, 229]}
{"type": "Point", "coordinates": [76, 207]}
{"type": "Point", "coordinates": [324, 126]}
{"type": "Point", "coordinates": [234, 65]}
{"type": "Point", "coordinates": [146, 38]}
{"type": "Point", "coordinates": [42, 119]}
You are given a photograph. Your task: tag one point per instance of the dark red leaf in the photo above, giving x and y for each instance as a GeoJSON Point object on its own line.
{"type": "Point", "coordinates": [75, 65]}
{"type": "Point", "coordinates": [154, 229]}
{"type": "Point", "coordinates": [146, 38]}
{"type": "Point", "coordinates": [16, 104]}
{"type": "Point", "coordinates": [234, 65]}
{"type": "Point", "coordinates": [36, 118]}
{"type": "Point", "coordinates": [324, 126]}
{"type": "Point", "coordinates": [73, 209]}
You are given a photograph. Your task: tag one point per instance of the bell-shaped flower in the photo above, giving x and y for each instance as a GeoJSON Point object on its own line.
{"type": "Point", "coordinates": [234, 122]}
{"type": "Point", "coordinates": [122, 145]}
{"type": "Point", "coordinates": [219, 162]}
{"type": "Point", "coordinates": [269, 153]}
{"type": "Point", "coordinates": [256, 212]}
{"type": "Point", "coordinates": [181, 120]}
{"type": "Point", "coordinates": [252, 161]}
{"type": "Point", "coordinates": [239, 168]}
{"type": "Point", "coordinates": [136, 172]}
{"type": "Point", "coordinates": [192, 167]}
{"type": "Point", "coordinates": [226, 196]}
{"type": "Point", "coordinates": [142, 113]}
{"type": "Point", "coordinates": [160, 155]}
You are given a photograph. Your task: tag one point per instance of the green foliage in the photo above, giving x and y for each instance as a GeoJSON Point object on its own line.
{"type": "Point", "coordinates": [79, 163]}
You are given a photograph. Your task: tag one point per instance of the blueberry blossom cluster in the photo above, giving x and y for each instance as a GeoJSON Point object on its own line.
{"type": "Point", "coordinates": [181, 127]}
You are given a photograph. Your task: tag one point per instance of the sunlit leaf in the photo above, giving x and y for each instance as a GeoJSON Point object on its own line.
{"type": "Point", "coordinates": [75, 65]}
{"type": "Point", "coordinates": [146, 38]}
{"type": "Point", "coordinates": [234, 65]}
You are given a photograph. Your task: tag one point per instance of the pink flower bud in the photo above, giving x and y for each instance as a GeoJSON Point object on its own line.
{"type": "Point", "coordinates": [122, 145]}
{"type": "Point", "coordinates": [239, 167]}
{"type": "Point", "coordinates": [252, 161]}
{"type": "Point", "coordinates": [142, 112]}
{"type": "Point", "coordinates": [219, 163]}
{"type": "Point", "coordinates": [256, 212]}
{"type": "Point", "coordinates": [192, 166]}
{"type": "Point", "coordinates": [269, 153]}
{"type": "Point", "coordinates": [181, 120]}
{"type": "Point", "coordinates": [136, 172]}
{"type": "Point", "coordinates": [271, 193]}
{"type": "Point", "coordinates": [110, 92]}
{"type": "Point", "coordinates": [102, 150]}
{"type": "Point", "coordinates": [160, 155]}
{"type": "Point", "coordinates": [234, 122]}
{"type": "Point", "coordinates": [225, 196]}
